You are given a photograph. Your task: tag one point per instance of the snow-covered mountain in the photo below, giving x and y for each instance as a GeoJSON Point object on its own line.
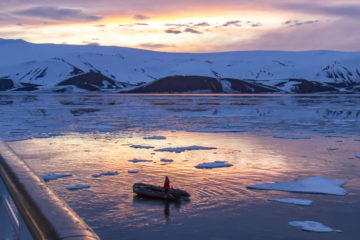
{"type": "Point", "coordinates": [50, 67]}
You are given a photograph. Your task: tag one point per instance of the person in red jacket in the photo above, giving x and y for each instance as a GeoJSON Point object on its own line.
{"type": "Point", "coordinates": [166, 184]}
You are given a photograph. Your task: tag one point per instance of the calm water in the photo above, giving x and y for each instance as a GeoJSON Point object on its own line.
{"type": "Point", "coordinates": [88, 134]}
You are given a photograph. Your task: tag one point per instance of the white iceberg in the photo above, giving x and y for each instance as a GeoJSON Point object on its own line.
{"type": "Point", "coordinates": [135, 160]}
{"type": "Point", "coordinates": [292, 137]}
{"type": "Point", "coordinates": [296, 201]}
{"type": "Point", "coordinates": [77, 187]}
{"type": "Point", "coordinates": [54, 176]}
{"type": "Point", "coordinates": [310, 185]}
{"type": "Point", "coordinates": [141, 146]}
{"type": "Point", "coordinates": [312, 226]}
{"type": "Point", "coordinates": [156, 137]}
{"type": "Point", "coordinates": [216, 164]}
{"type": "Point", "coordinates": [166, 160]}
{"type": "Point", "coordinates": [133, 171]}
{"type": "Point", "coordinates": [182, 149]}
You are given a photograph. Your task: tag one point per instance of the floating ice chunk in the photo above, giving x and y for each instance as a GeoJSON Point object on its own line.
{"type": "Point", "coordinates": [166, 160]}
{"type": "Point", "coordinates": [310, 185]}
{"type": "Point", "coordinates": [217, 130]}
{"type": "Point", "coordinates": [216, 164]}
{"type": "Point", "coordinates": [141, 146]}
{"type": "Point", "coordinates": [334, 136]}
{"type": "Point", "coordinates": [133, 171]}
{"type": "Point", "coordinates": [77, 187]}
{"type": "Point", "coordinates": [357, 155]}
{"type": "Point", "coordinates": [332, 149]}
{"type": "Point", "coordinates": [135, 160]}
{"type": "Point", "coordinates": [292, 137]}
{"type": "Point", "coordinates": [296, 201]}
{"type": "Point", "coordinates": [105, 174]}
{"type": "Point", "coordinates": [182, 149]}
{"type": "Point", "coordinates": [313, 226]}
{"type": "Point", "coordinates": [357, 140]}
{"type": "Point", "coordinates": [156, 137]}
{"type": "Point", "coordinates": [54, 176]}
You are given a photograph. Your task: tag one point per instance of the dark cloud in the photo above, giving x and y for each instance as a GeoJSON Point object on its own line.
{"type": "Point", "coordinates": [100, 25]}
{"type": "Point", "coordinates": [296, 23]}
{"type": "Point", "coordinates": [140, 17]}
{"type": "Point", "coordinates": [235, 23]}
{"type": "Point", "coordinates": [90, 43]}
{"type": "Point", "coordinates": [173, 31]}
{"type": "Point", "coordinates": [344, 9]}
{"type": "Point", "coordinates": [60, 14]}
{"type": "Point", "coordinates": [191, 30]}
{"type": "Point", "coordinates": [141, 24]}
{"type": "Point", "coordinates": [154, 45]}
{"type": "Point", "coordinates": [201, 24]}
{"type": "Point", "coordinates": [258, 24]}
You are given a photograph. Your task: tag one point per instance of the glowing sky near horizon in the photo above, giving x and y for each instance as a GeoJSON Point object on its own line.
{"type": "Point", "coordinates": [187, 25]}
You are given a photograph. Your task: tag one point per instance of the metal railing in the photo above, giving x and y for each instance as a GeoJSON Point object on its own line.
{"type": "Point", "coordinates": [31, 202]}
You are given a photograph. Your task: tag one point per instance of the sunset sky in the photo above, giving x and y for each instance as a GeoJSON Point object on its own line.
{"type": "Point", "coordinates": [187, 25]}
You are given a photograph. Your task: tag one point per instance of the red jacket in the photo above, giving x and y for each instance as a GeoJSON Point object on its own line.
{"type": "Point", "coordinates": [167, 183]}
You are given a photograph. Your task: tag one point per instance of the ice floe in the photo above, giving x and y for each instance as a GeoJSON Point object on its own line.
{"type": "Point", "coordinates": [357, 140]}
{"type": "Point", "coordinates": [182, 149]}
{"type": "Point", "coordinates": [54, 176]}
{"type": "Point", "coordinates": [304, 202]}
{"type": "Point", "coordinates": [292, 137]}
{"type": "Point", "coordinates": [310, 185]}
{"type": "Point", "coordinates": [141, 146]}
{"type": "Point", "coordinates": [313, 226]}
{"type": "Point", "coordinates": [105, 174]}
{"type": "Point", "coordinates": [135, 160]}
{"type": "Point", "coordinates": [332, 149]}
{"type": "Point", "coordinates": [217, 130]}
{"type": "Point", "coordinates": [133, 171]}
{"type": "Point", "coordinates": [357, 155]}
{"type": "Point", "coordinates": [166, 160]}
{"type": "Point", "coordinates": [77, 187]}
{"type": "Point", "coordinates": [216, 164]}
{"type": "Point", "coordinates": [156, 137]}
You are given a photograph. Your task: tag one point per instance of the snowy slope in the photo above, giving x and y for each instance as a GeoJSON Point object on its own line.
{"type": "Point", "coordinates": [46, 65]}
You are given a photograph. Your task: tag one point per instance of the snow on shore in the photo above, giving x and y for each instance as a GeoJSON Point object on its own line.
{"type": "Point", "coordinates": [310, 185]}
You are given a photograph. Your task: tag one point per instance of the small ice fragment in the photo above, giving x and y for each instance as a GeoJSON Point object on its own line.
{"type": "Point", "coordinates": [77, 187]}
{"type": "Point", "coordinates": [357, 140]}
{"type": "Point", "coordinates": [357, 155]}
{"type": "Point", "coordinates": [141, 146]}
{"type": "Point", "coordinates": [216, 164]}
{"type": "Point", "coordinates": [166, 160]}
{"type": "Point", "coordinates": [105, 174]}
{"type": "Point", "coordinates": [332, 149]}
{"type": "Point", "coordinates": [334, 136]}
{"type": "Point", "coordinates": [311, 226]}
{"type": "Point", "coordinates": [303, 202]}
{"type": "Point", "coordinates": [133, 171]}
{"type": "Point", "coordinates": [292, 137]}
{"type": "Point", "coordinates": [216, 130]}
{"type": "Point", "coordinates": [310, 185]}
{"type": "Point", "coordinates": [182, 149]}
{"type": "Point", "coordinates": [156, 137]}
{"type": "Point", "coordinates": [110, 173]}
{"type": "Point", "coordinates": [135, 160]}
{"type": "Point", "coordinates": [54, 176]}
